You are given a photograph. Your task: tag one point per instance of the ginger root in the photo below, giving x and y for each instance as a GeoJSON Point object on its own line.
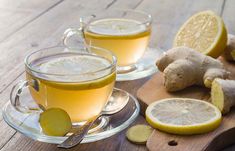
{"type": "Point", "coordinates": [223, 94]}
{"type": "Point", "coordinates": [183, 67]}
{"type": "Point", "coordinates": [229, 52]}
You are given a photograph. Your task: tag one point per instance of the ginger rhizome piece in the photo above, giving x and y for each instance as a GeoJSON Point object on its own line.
{"type": "Point", "coordinates": [55, 122]}
{"type": "Point", "coordinates": [229, 52]}
{"type": "Point", "coordinates": [223, 94]}
{"type": "Point", "coordinates": [183, 67]}
{"type": "Point", "coordinates": [139, 134]}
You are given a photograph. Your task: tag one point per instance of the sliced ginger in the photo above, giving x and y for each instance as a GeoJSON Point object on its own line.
{"type": "Point", "coordinates": [55, 122]}
{"type": "Point", "coordinates": [223, 94]}
{"type": "Point", "coordinates": [183, 67]}
{"type": "Point", "coordinates": [139, 134]}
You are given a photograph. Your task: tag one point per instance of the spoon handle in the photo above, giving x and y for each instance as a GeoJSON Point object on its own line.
{"type": "Point", "coordinates": [77, 136]}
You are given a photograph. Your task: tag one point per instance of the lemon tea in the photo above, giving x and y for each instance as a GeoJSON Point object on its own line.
{"type": "Point", "coordinates": [80, 81]}
{"type": "Point", "coordinates": [127, 38]}
{"type": "Point", "coordinates": [82, 100]}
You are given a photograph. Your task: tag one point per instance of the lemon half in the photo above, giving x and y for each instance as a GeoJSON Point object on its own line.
{"type": "Point", "coordinates": [183, 116]}
{"type": "Point", "coordinates": [204, 32]}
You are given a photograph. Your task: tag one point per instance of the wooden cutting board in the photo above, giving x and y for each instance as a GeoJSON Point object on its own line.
{"type": "Point", "coordinates": [223, 136]}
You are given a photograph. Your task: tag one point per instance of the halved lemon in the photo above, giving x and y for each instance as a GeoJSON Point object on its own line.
{"type": "Point", "coordinates": [183, 116]}
{"type": "Point", "coordinates": [204, 32]}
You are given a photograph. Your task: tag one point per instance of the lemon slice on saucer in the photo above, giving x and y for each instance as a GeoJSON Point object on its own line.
{"type": "Point", "coordinates": [204, 32]}
{"type": "Point", "coordinates": [183, 116]}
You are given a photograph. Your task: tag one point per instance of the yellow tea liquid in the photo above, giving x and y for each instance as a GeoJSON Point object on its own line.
{"type": "Point", "coordinates": [126, 38]}
{"type": "Point", "coordinates": [82, 96]}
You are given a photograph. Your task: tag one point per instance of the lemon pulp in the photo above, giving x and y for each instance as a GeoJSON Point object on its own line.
{"type": "Point", "coordinates": [204, 32]}
{"type": "Point", "coordinates": [183, 116]}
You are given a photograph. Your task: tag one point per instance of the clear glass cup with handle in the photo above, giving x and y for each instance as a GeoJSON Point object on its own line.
{"type": "Point", "coordinates": [78, 80]}
{"type": "Point", "coordinates": [125, 32]}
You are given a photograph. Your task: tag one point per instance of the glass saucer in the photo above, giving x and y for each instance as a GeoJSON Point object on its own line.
{"type": "Point", "coordinates": [144, 67]}
{"type": "Point", "coordinates": [28, 124]}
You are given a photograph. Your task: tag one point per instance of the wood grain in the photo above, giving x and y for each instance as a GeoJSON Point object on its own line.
{"type": "Point", "coordinates": [44, 32]}
{"type": "Point", "coordinates": [14, 15]}
{"type": "Point", "coordinates": [213, 141]}
{"type": "Point", "coordinates": [6, 132]}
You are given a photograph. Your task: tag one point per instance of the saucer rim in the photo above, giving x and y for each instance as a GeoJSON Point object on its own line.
{"type": "Point", "coordinates": [88, 138]}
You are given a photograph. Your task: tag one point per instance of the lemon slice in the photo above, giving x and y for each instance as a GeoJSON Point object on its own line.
{"type": "Point", "coordinates": [116, 27]}
{"type": "Point", "coordinates": [204, 32]}
{"type": "Point", "coordinates": [183, 116]}
{"type": "Point", "coordinates": [76, 72]}
{"type": "Point", "coordinates": [77, 64]}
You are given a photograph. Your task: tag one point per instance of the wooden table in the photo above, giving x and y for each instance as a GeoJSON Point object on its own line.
{"type": "Point", "coordinates": [27, 25]}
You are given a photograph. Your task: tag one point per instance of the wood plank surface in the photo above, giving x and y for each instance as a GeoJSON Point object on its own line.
{"type": "Point", "coordinates": [43, 32]}
{"type": "Point", "coordinates": [44, 27]}
{"type": "Point", "coordinates": [15, 14]}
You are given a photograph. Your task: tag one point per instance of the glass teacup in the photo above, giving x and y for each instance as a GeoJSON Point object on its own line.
{"type": "Point", "coordinates": [78, 80]}
{"type": "Point", "coordinates": [124, 32]}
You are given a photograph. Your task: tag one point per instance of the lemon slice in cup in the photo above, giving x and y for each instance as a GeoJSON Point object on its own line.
{"type": "Point", "coordinates": [204, 32]}
{"type": "Point", "coordinates": [183, 116]}
{"type": "Point", "coordinates": [77, 72]}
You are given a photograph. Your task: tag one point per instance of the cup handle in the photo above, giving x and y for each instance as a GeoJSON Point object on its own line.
{"type": "Point", "coordinates": [15, 98]}
{"type": "Point", "coordinates": [68, 33]}
{"type": "Point", "coordinates": [71, 32]}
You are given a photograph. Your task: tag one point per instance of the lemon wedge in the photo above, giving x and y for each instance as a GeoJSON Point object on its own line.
{"type": "Point", "coordinates": [204, 32]}
{"type": "Point", "coordinates": [183, 116]}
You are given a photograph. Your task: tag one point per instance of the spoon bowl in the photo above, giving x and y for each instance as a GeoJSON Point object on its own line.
{"type": "Point", "coordinates": [116, 103]}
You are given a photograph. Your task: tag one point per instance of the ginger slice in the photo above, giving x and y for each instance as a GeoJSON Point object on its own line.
{"type": "Point", "coordinates": [139, 134]}
{"type": "Point", "coordinates": [223, 94]}
{"type": "Point", "coordinates": [55, 122]}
